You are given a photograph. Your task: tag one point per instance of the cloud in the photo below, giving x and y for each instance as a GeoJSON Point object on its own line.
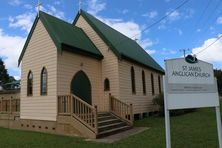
{"type": "Point", "coordinates": [180, 32]}
{"type": "Point", "coordinates": [150, 51]}
{"type": "Point", "coordinates": [124, 11]}
{"type": "Point", "coordinates": [53, 11]}
{"type": "Point", "coordinates": [15, 2]}
{"type": "Point", "coordinates": [10, 49]}
{"type": "Point", "coordinates": [219, 20]}
{"type": "Point", "coordinates": [165, 51]}
{"type": "Point", "coordinates": [131, 29]}
{"type": "Point", "coordinates": [175, 15]}
{"type": "Point", "coordinates": [57, 2]}
{"type": "Point", "coordinates": [17, 77]}
{"type": "Point", "coordinates": [22, 21]}
{"type": "Point", "coordinates": [95, 6]}
{"type": "Point", "coordinates": [188, 13]}
{"type": "Point", "coordinates": [211, 54]}
{"type": "Point", "coordinates": [128, 28]}
{"type": "Point", "coordinates": [28, 6]}
{"type": "Point", "coordinates": [171, 17]}
{"type": "Point", "coordinates": [146, 43]}
{"type": "Point", "coordinates": [162, 25]}
{"type": "Point", "coordinates": [198, 30]}
{"type": "Point", "coordinates": [151, 14]}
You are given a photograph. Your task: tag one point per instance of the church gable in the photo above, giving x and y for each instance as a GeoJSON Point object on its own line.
{"type": "Point", "coordinates": [110, 61]}
{"type": "Point", "coordinates": [122, 46]}
{"type": "Point", "coordinates": [65, 37]}
{"type": "Point", "coordinates": [40, 52]}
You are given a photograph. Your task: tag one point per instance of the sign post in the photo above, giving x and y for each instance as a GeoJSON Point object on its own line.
{"type": "Point", "coordinates": [189, 84]}
{"type": "Point", "coordinates": [167, 117]}
{"type": "Point", "coordinates": [219, 125]}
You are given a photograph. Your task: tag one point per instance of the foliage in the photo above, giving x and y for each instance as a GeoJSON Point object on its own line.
{"type": "Point", "coordinates": [4, 76]}
{"type": "Point", "coordinates": [218, 75]}
{"type": "Point", "coordinates": [159, 101]}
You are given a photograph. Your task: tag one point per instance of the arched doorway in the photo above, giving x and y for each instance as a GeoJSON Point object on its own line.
{"type": "Point", "coordinates": [81, 87]}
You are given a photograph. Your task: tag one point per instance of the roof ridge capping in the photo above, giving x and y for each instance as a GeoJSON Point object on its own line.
{"type": "Point", "coordinates": [128, 48]}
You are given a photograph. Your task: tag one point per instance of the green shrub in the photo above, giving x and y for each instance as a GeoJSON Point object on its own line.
{"type": "Point", "coordinates": [159, 101]}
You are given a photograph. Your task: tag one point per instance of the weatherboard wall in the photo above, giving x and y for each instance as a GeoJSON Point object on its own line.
{"type": "Point", "coordinates": [41, 52]}
{"type": "Point", "coordinates": [109, 64]}
{"type": "Point", "coordinates": [141, 102]}
{"type": "Point", "coordinates": [69, 64]}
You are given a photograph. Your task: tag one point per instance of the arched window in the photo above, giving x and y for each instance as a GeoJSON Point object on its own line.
{"type": "Point", "coordinates": [144, 82]}
{"type": "Point", "coordinates": [106, 85]}
{"type": "Point", "coordinates": [30, 84]}
{"type": "Point", "coordinates": [133, 80]}
{"type": "Point", "coordinates": [152, 83]}
{"type": "Point", "coordinates": [159, 82]}
{"type": "Point", "coordinates": [43, 81]}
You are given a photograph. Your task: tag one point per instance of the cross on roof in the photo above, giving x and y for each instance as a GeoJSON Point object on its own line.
{"type": "Point", "coordinates": [80, 3]}
{"type": "Point", "coordinates": [38, 6]}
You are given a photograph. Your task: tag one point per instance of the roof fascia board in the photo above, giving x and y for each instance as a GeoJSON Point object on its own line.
{"type": "Point", "coordinates": [28, 40]}
{"type": "Point", "coordinates": [81, 52]}
{"type": "Point", "coordinates": [139, 63]}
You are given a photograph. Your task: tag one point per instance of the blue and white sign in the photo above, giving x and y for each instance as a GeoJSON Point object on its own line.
{"type": "Point", "coordinates": [189, 83]}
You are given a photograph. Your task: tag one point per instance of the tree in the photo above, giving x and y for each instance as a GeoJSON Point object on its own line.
{"type": "Point", "coordinates": [218, 75]}
{"type": "Point", "coordinates": [4, 76]}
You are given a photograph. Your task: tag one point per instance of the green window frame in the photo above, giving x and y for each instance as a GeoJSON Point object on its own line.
{"type": "Point", "coordinates": [30, 84]}
{"type": "Point", "coordinates": [152, 84]}
{"type": "Point", "coordinates": [133, 84]}
{"type": "Point", "coordinates": [44, 81]}
{"type": "Point", "coordinates": [106, 85]}
{"type": "Point", "coordinates": [144, 82]}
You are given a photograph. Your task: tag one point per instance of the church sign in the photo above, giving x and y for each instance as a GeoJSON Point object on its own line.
{"type": "Point", "coordinates": [189, 83]}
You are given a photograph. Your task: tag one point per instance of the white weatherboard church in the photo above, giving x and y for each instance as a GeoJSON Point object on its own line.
{"type": "Point", "coordinates": [84, 78]}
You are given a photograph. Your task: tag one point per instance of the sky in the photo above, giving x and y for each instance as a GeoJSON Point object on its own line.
{"type": "Point", "coordinates": [196, 26]}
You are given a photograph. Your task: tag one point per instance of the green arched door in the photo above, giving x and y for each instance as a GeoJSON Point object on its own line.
{"type": "Point", "coordinates": [81, 87]}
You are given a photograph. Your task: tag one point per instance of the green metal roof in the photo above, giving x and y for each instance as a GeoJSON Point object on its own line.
{"type": "Point", "coordinates": [122, 46]}
{"type": "Point", "coordinates": [65, 36]}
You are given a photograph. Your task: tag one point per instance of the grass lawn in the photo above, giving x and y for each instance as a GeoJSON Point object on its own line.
{"type": "Point", "coordinates": [192, 130]}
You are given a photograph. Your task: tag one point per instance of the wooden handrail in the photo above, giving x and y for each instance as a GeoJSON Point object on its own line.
{"type": "Point", "coordinates": [64, 105]}
{"type": "Point", "coordinates": [121, 109]}
{"type": "Point", "coordinates": [85, 103]}
{"type": "Point", "coordinates": [77, 108]}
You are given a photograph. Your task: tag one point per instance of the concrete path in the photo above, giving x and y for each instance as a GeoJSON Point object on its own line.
{"type": "Point", "coordinates": [120, 136]}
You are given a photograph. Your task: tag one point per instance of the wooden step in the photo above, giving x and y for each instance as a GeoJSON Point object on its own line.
{"type": "Point", "coordinates": [103, 114]}
{"type": "Point", "coordinates": [113, 131]}
{"type": "Point", "coordinates": [108, 121]}
{"type": "Point", "coordinates": [105, 117]}
{"type": "Point", "coordinates": [111, 126]}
